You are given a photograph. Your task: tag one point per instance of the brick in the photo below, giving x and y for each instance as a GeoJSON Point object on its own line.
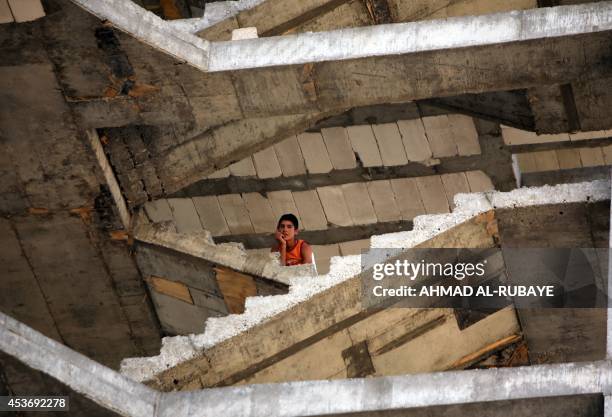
{"type": "Point", "coordinates": [235, 213]}
{"type": "Point", "coordinates": [383, 200]}
{"type": "Point", "coordinates": [315, 153]}
{"type": "Point", "coordinates": [334, 205]}
{"type": "Point", "coordinates": [390, 144]}
{"type": "Point", "coordinates": [433, 194]}
{"type": "Point", "coordinates": [415, 140]}
{"type": "Point", "coordinates": [185, 215]}
{"type": "Point", "coordinates": [568, 158]}
{"type": "Point", "coordinates": [244, 33]}
{"type": "Point", "coordinates": [243, 168]}
{"type": "Point", "coordinates": [323, 255]}
{"type": "Point", "coordinates": [260, 211]}
{"type": "Point", "coordinates": [464, 134]}
{"type": "Point", "coordinates": [408, 197]}
{"type": "Point", "coordinates": [364, 143]}
{"type": "Point", "coordinates": [526, 162]}
{"type": "Point", "coordinates": [589, 135]}
{"type": "Point", "coordinates": [222, 173]}
{"type": "Point", "coordinates": [339, 148]}
{"type": "Point", "coordinates": [546, 161]}
{"type": "Point", "coordinates": [440, 136]}
{"type": "Point", "coordinates": [266, 163]}
{"type": "Point", "coordinates": [514, 136]}
{"type": "Point", "coordinates": [282, 202]}
{"type": "Point", "coordinates": [158, 210]}
{"type": "Point", "coordinates": [211, 216]}
{"type": "Point", "coordinates": [607, 153]}
{"type": "Point", "coordinates": [454, 184]}
{"type": "Point", "coordinates": [355, 247]}
{"type": "Point", "coordinates": [5, 12]}
{"type": "Point", "coordinates": [290, 157]}
{"type": "Point", "coordinates": [479, 181]}
{"type": "Point", "coordinates": [26, 10]}
{"type": "Point", "coordinates": [311, 210]}
{"type": "Point", "coordinates": [359, 203]}
{"type": "Point", "coordinates": [591, 157]}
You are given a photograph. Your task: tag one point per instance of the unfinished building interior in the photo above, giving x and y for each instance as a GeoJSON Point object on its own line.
{"type": "Point", "coordinates": [148, 148]}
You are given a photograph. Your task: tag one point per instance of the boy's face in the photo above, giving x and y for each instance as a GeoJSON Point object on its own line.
{"type": "Point", "coordinates": [287, 230]}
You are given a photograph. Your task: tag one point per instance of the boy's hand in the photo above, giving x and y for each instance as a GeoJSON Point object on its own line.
{"type": "Point", "coordinates": [279, 237]}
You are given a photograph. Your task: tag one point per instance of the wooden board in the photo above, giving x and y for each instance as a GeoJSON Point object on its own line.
{"type": "Point", "coordinates": [235, 287]}
{"type": "Point", "coordinates": [170, 288]}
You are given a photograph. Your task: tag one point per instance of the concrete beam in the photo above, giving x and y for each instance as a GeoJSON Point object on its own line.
{"type": "Point", "coordinates": [97, 382]}
{"type": "Point", "coordinates": [412, 38]}
{"type": "Point", "coordinates": [131, 399]}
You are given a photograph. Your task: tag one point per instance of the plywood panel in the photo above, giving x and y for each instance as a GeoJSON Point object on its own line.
{"type": "Point", "coordinates": [170, 288]}
{"type": "Point", "coordinates": [235, 287]}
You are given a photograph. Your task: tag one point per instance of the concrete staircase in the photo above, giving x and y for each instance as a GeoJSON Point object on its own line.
{"type": "Point", "coordinates": [259, 310]}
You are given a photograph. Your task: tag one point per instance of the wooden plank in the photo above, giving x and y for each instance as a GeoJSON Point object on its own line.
{"type": "Point", "coordinates": [235, 287]}
{"type": "Point", "coordinates": [170, 288]}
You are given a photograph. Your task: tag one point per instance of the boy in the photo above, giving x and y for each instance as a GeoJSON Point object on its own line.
{"type": "Point", "coordinates": [293, 251]}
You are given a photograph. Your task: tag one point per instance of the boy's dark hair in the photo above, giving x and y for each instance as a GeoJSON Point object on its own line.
{"type": "Point", "coordinates": [289, 217]}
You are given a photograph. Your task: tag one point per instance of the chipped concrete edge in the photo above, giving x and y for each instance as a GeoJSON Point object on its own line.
{"type": "Point", "coordinates": [259, 309]}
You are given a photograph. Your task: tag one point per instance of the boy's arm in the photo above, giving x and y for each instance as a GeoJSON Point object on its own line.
{"type": "Point", "coordinates": [282, 248]}
{"type": "Point", "coordinates": [306, 253]}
